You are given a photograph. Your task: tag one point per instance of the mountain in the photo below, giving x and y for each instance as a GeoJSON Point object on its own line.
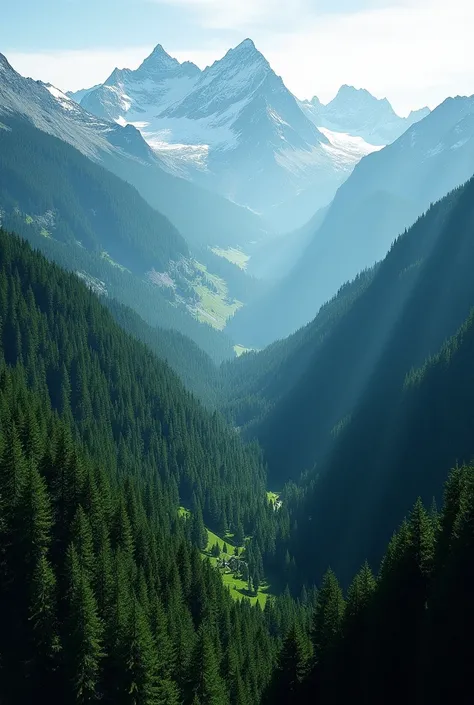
{"type": "Point", "coordinates": [90, 221]}
{"type": "Point", "coordinates": [358, 112]}
{"type": "Point", "coordinates": [384, 195]}
{"type": "Point", "coordinates": [234, 128]}
{"type": "Point", "coordinates": [374, 398]}
{"type": "Point", "coordinates": [77, 96]}
{"type": "Point", "coordinates": [206, 218]}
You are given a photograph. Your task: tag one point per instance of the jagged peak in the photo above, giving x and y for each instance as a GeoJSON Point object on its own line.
{"type": "Point", "coordinates": [359, 96]}
{"type": "Point", "coordinates": [117, 76]}
{"type": "Point", "coordinates": [316, 102]}
{"type": "Point", "coordinates": [4, 64]}
{"type": "Point", "coordinates": [159, 58]}
{"type": "Point", "coordinates": [347, 90]}
{"type": "Point", "coordinates": [245, 51]}
{"type": "Point", "coordinates": [247, 44]}
{"type": "Point", "coordinates": [420, 111]}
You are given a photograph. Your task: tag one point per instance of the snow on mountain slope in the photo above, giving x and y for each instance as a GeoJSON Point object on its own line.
{"type": "Point", "coordinates": [234, 127]}
{"type": "Point", "coordinates": [201, 216]}
{"type": "Point", "coordinates": [358, 112]}
{"type": "Point", "coordinates": [384, 195]}
{"type": "Point", "coordinates": [77, 96]}
{"type": "Point", "coordinates": [347, 149]}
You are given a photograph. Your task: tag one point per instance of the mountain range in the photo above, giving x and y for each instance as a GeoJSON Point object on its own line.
{"type": "Point", "coordinates": [358, 112]}
{"type": "Point", "coordinates": [207, 217]}
{"type": "Point", "coordinates": [383, 196]}
{"type": "Point", "coordinates": [226, 126]}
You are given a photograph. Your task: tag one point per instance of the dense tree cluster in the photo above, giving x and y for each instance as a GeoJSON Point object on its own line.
{"type": "Point", "coordinates": [400, 636]}
{"type": "Point", "coordinates": [104, 593]}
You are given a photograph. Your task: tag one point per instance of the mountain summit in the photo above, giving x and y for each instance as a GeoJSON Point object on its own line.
{"type": "Point", "coordinates": [227, 126]}
{"type": "Point", "coordinates": [358, 112]}
{"type": "Point", "coordinates": [160, 63]}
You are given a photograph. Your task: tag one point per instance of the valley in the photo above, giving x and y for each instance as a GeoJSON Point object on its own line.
{"type": "Point", "coordinates": [236, 345]}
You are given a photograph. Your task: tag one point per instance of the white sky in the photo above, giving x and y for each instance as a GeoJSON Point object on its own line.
{"type": "Point", "coordinates": [415, 52]}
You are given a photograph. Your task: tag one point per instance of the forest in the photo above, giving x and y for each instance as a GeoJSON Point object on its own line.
{"type": "Point", "coordinates": [105, 594]}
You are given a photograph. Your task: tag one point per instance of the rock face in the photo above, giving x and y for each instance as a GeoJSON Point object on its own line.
{"type": "Point", "coordinates": [234, 128]}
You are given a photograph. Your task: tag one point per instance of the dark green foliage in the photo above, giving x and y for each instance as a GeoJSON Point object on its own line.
{"type": "Point", "coordinates": [381, 409]}
{"type": "Point", "coordinates": [290, 671]}
{"type": "Point", "coordinates": [102, 596]}
{"type": "Point", "coordinates": [404, 636]}
{"type": "Point", "coordinates": [254, 382]}
{"type": "Point", "coordinates": [193, 366]}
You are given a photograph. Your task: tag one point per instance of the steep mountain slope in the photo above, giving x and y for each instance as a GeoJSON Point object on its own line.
{"type": "Point", "coordinates": [382, 197]}
{"type": "Point", "coordinates": [192, 365]}
{"type": "Point", "coordinates": [373, 434]}
{"type": "Point", "coordinates": [357, 112]}
{"type": "Point", "coordinates": [252, 384]}
{"type": "Point", "coordinates": [206, 218]}
{"type": "Point", "coordinates": [104, 592]}
{"type": "Point", "coordinates": [103, 589]}
{"type": "Point", "coordinates": [234, 128]}
{"type": "Point", "coordinates": [90, 221]}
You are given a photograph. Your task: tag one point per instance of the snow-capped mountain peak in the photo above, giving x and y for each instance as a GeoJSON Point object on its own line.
{"type": "Point", "coordinates": [232, 80]}
{"type": "Point", "coordinates": [228, 125]}
{"type": "Point", "coordinates": [117, 76]}
{"type": "Point", "coordinates": [353, 99]}
{"type": "Point", "coordinates": [358, 112]}
{"type": "Point", "coordinates": [159, 63]}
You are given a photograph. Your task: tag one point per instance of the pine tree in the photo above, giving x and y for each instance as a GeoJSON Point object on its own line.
{"type": "Point", "coordinates": [360, 593]}
{"type": "Point", "coordinates": [83, 637]}
{"type": "Point", "coordinates": [45, 643]}
{"type": "Point", "coordinates": [205, 681]}
{"type": "Point", "coordinates": [33, 520]}
{"type": "Point", "coordinates": [328, 616]}
{"type": "Point", "coordinates": [198, 530]}
{"type": "Point", "coordinates": [290, 671]}
{"type": "Point", "coordinates": [81, 535]}
{"type": "Point", "coordinates": [140, 676]}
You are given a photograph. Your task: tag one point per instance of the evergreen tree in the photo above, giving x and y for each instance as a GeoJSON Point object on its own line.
{"type": "Point", "coordinates": [206, 682]}
{"type": "Point", "coordinates": [83, 637]}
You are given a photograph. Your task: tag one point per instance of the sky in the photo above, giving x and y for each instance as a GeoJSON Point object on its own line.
{"type": "Point", "coordinates": [414, 52]}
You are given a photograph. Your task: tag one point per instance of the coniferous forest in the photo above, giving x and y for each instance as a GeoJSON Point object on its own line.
{"type": "Point", "coordinates": [104, 591]}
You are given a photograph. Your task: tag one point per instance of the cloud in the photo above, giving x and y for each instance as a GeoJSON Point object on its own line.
{"type": "Point", "coordinates": [415, 53]}
{"type": "Point", "coordinates": [242, 15]}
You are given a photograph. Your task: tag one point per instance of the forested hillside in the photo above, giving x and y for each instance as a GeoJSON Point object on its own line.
{"type": "Point", "coordinates": [104, 594]}
{"type": "Point", "coordinates": [253, 383]}
{"type": "Point", "coordinates": [353, 425]}
{"type": "Point", "coordinates": [192, 365]}
{"type": "Point", "coordinates": [88, 206]}
{"type": "Point", "coordinates": [88, 220]}
{"type": "Point", "coordinates": [402, 635]}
